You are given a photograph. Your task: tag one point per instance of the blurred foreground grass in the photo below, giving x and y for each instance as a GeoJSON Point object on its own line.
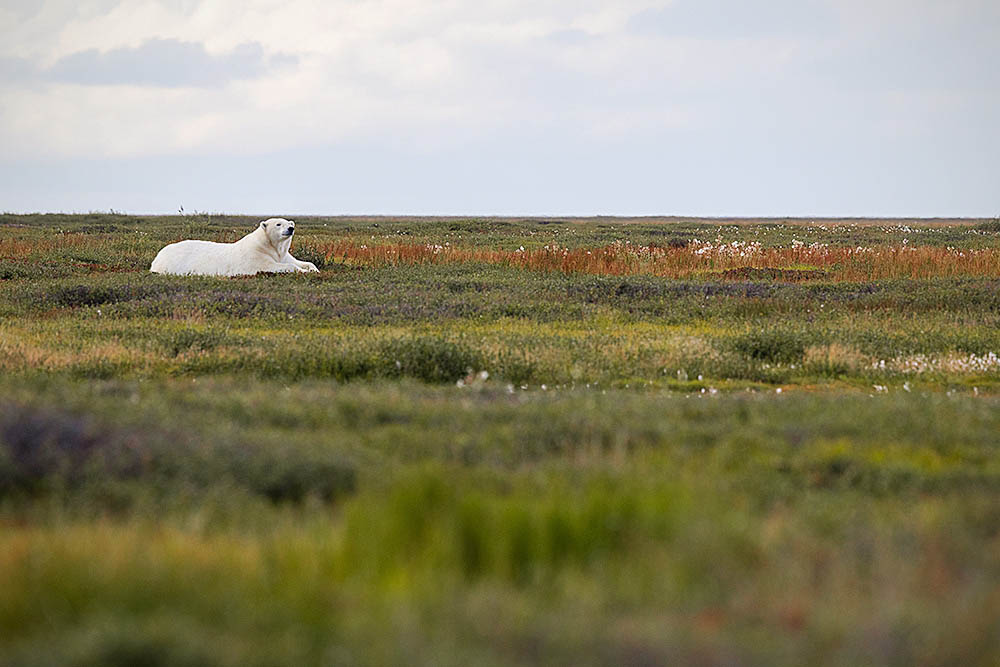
{"type": "Point", "coordinates": [397, 522]}
{"type": "Point", "coordinates": [317, 469]}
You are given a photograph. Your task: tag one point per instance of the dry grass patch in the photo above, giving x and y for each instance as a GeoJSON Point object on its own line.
{"type": "Point", "coordinates": [834, 359]}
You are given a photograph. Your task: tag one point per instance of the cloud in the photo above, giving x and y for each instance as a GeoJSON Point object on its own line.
{"type": "Point", "coordinates": [570, 37]}
{"type": "Point", "coordinates": [165, 63]}
{"type": "Point", "coordinates": [728, 19]}
{"type": "Point", "coordinates": [587, 105]}
{"type": "Point", "coordinates": [921, 46]}
{"type": "Point", "coordinates": [917, 65]}
{"type": "Point", "coordinates": [16, 69]}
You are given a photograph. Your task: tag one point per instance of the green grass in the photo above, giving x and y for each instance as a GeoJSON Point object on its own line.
{"type": "Point", "coordinates": [475, 464]}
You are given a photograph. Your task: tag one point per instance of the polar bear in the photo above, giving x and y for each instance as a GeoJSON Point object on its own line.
{"type": "Point", "coordinates": [265, 249]}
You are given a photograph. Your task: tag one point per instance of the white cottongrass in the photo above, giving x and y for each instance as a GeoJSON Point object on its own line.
{"type": "Point", "coordinates": [949, 363]}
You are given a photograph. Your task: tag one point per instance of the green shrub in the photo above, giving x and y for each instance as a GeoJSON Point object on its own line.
{"type": "Point", "coordinates": [293, 477]}
{"type": "Point", "coordinates": [773, 345]}
{"type": "Point", "coordinates": [306, 253]}
{"type": "Point", "coordinates": [989, 226]}
{"type": "Point", "coordinates": [46, 449]}
{"type": "Point", "coordinates": [189, 339]}
{"type": "Point", "coordinates": [428, 359]}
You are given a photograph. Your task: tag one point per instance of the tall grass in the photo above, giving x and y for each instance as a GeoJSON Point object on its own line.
{"type": "Point", "coordinates": [695, 259]}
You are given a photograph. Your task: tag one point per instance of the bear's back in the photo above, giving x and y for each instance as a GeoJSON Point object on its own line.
{"type": "Point", "coordinates": [194, 258]}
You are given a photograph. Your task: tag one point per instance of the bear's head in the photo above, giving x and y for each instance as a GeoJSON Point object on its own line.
{"type": "Point", "coordinates": [278, 230]}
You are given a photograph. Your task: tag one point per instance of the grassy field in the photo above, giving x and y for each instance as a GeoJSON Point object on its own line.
{"type": "Point", "coordinates": [498, 441]}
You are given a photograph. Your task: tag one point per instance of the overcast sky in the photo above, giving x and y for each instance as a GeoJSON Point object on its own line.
{"type": "Point", "coordinates": [575, 107]}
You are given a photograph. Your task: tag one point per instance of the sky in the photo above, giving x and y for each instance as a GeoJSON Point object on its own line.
{"type": "Point", "coordinates": [502, 107]}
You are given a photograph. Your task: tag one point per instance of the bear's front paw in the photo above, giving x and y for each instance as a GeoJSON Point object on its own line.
{"type": "Point", "coordinates": [309, 267]}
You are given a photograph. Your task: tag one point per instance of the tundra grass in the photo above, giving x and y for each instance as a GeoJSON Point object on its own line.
{"type": "Point", "coordinates": [482, 462]}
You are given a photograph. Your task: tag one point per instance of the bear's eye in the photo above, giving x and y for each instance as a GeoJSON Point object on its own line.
{"type": "Point", "coordinates": [279, 224]}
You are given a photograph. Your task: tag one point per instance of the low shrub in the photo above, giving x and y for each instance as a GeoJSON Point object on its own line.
{"type": "Point", "coordinates": [189, 339]}
{"type": "Point", "coordinates": [90, 295]}
{"type": "Point", "coordinates": [772, 345]}
{"type": "Point", "coordinates": [43, 446]}
{"type": "Point", "coordinates": [296, 475]}
{"type": "Point", "coordinates": [307, 253]}
{"type": "Point", "coordinates": [45, 449]}
{"type": "Point", "coordinates": [428, 359]}
{"type": "Point", "coordinates": [989, 226]}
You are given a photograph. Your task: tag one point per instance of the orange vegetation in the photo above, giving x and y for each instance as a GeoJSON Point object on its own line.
{"type": "Point", "coordinates": [11, 248]}
{"type": "Point", "coordinates": [696, 259]}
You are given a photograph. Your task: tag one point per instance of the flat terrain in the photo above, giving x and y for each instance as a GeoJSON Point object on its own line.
{"type": "Point", "coordinates": [498, 441]}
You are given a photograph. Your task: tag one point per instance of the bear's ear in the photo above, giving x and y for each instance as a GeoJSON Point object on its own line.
{"type": "Point", "coordinates": [264, 225]}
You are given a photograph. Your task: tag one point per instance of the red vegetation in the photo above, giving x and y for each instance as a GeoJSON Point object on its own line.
{"type": "Point", "coordinates": [735, 261]}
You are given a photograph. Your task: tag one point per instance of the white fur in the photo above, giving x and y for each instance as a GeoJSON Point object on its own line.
{"type": "Point", "coordinates": [264, 250]}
